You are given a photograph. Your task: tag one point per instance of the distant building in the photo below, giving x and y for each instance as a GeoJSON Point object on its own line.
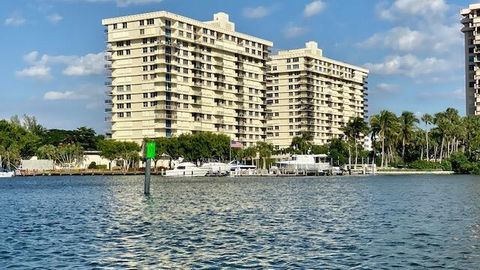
{"type": "Point", "coordinates": [308, 92]}
{"type": "Point", "coordinates": [471, 30]}
{"type": "Point", "coordinates": [172, 74]}
{"type": "Point", "coordinates": [35, 164]}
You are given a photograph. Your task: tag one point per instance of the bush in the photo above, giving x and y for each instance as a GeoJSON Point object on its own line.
{"type": "Point", "coordinates": [427, 165]}
{"type": "Point", "coordinates": [446, 165]}
{"type": "Point", "coordinates": [460, 163]}
{"type": "Point", "coordinates": [92, 165]}
{"type": "Point", "coordinates": [101, 167]}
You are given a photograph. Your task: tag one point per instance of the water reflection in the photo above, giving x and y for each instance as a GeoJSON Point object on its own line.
{"type": "Point", "coordinates": [373, 222]}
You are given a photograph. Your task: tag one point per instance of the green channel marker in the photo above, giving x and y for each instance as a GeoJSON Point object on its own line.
{"type": "Point", "coordinates": [150, 150]}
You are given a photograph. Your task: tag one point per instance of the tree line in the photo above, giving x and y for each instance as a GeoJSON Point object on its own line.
{"type": "Point", "coordinates": [397, 141]}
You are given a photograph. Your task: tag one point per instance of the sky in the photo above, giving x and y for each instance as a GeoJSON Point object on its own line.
{"type": "Point", "coordinates": [52, 65]}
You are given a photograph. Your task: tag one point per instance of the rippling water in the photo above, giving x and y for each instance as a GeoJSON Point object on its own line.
{"type": "Point", "coordinates": [323, 222]}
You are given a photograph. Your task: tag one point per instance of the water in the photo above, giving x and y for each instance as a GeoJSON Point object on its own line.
{"type": "Point", "coordinates": [406, 222]}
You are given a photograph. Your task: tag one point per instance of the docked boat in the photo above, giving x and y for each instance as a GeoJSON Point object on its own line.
{"type": "Point", "coordinates": [305, 164]}
{"type": "Point", "coordinates": [187, 169]}
{"type": "Point", "coordinates": [6, 174]}
{"type": "Point", "coordinates": [216, 168]}
{"type": "Point", "coordinates": [237, 168]}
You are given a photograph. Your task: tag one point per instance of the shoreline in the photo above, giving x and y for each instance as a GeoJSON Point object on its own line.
{"type": "Point", "coordinates": [160, 173]}
{"type": "Point", "coordinates": [400, 172]}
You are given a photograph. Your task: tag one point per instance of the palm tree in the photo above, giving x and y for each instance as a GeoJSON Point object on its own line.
{"type": "Point", "coordinates": [427, 119]}
{"type": "Point", "coordinates": [354, 130]}
{"type": "Point", "coordinates": [374, 131]}
{"type": "Point", "coordinates": [407, 126]}
{"type": "Point", "coordinates": [303, 142]}
{"type": "Point", "coordinates": [265, 151]}
{"type": "Point", "coordinates": [388, 125]}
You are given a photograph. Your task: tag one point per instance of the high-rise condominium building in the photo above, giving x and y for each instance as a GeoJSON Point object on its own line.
{"type": "Point", "coordinates": [308, 92]}
{"type": "Point", "coordinates": [471, 29]}
{"type": "Point", "coordinates": [171, 75]}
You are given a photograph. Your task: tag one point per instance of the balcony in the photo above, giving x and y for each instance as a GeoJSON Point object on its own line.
{"type": "Point", "coordinates": [166, 107]}
{"type": "Point", "coordinates": [165, 116]}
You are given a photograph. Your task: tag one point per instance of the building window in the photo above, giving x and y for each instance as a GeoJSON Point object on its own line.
{"type": "Point", "coordinates": [150, 21]}
{"type": "Point", "coordinates": [142, 22]}
{"type": "Point", "coordinates": [124, 25]}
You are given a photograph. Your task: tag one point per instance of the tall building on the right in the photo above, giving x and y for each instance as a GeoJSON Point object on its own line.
{"type": "Point", "coordinates": [471, 30]}
{"type": "Point", "coordinates": [307, 92]}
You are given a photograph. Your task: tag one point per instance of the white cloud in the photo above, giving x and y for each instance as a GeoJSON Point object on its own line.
{"type": "Point", "coordinates": [256, 12]}
{"type": "Point", "coordinates": [440, 38]}
{"type": "Point", "coordinates": [41, 72]}
{"type": "Point", "coordinates": [458, 95]}
{"type": "Point", "coordinates": [314, 8]}
{"type": "Point", "coordinates": [409, 65]}
{"type": "Point", "coordinates": [424, 40]}
{"type": "Point", "coordinates": [90, 64]}
{"type": "Point", "coordinates": [54, 18]}
{"type": "Point", "coordinates": [66, 95]}
{"type": "Point", "coordinates": [15, 20]}
{"type": "Point", "coordinates": [126, 3]}
{"type": "Point", "coordinates": [40, 65]}
{"type": "Point", "coordinates": [423, 8]}
{"type": "Point", "coordinates": [387, 88]}
{"type": "Point", "coordinates": [398, 38]}
{"type": "Point", "coordinates": [292, 31]}
{"type": "Point", "coordinates": [90, 95]}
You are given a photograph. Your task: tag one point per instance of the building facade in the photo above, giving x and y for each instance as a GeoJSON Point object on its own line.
{"type": "Point", "coordinates": [308, 92]}
{"type": "Point", "coordinates": [171, 75]}
{"type": "Point", "coordinates": [471, 29]}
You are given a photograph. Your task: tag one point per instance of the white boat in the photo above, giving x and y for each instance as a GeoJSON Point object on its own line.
{"type": "Point", "coordinates": [216, 168]}
{"type": "Point", "coordinates": [186, 169]}
{"type": "Point", "coordinates": [6, 174]}
{"type": "Point", "coordinates": [237, 168]}
{"type": "Point", "coordinates": [305, 164]}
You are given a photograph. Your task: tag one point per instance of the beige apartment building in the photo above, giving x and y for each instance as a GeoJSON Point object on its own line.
{"type": "Point", "coordinates": [171, 75]}
{"type": "Point", "coordinates": [308, 92]}
{"type": "Point", "coordinates": [471, 30]}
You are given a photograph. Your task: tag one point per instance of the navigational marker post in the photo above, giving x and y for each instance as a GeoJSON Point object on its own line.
{"type": "Point", "coordinates": [149, 155]}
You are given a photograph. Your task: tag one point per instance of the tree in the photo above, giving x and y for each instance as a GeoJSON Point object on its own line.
{"type": "Point", "coordinates": [109, 149]}
{"type": "Point", "coordinates": [69, 155]}
{"type": "Point", "coordinates": [407, 127]}
{"type": "Point", "coordinates": [338, 151]}
{"type": "Point", "coordinates": [65, 156]}
{"type": "Point", "coordinates": [354, 131]}
{"type": "Point", "coordinates": [428, 120]}
{"type": "Point", "coordinates": [15, 143]}
{"type": "Point", "coordinates": [128, 152]}
{"type": "Point", "coordinates": [302, 144]}
{"type": "Point", "coordinates": [387, 124]}
{"type": "Point", "coordinates": [265, 151]}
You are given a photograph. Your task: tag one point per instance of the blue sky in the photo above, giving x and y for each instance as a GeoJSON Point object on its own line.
{"type": "Point", "coordinates": [52, 61]}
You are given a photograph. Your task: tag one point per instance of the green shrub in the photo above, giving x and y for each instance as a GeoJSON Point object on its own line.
{"type": "Point", "coordinates": [101, 167]}
{"type": "Point", "coordinates": [92, 165]}
{"type": "Point", "coordinates": [475, 168]}
{"type": "Point", "coordinates": [460, 163]}
{"type": "Point", "coordinates": [426, 165]}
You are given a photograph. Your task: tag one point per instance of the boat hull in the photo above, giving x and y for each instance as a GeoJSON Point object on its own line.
{"type": "Point", "coordinates": [186, 173]}
{"type": "Point", "coordinates": [7, 174]}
